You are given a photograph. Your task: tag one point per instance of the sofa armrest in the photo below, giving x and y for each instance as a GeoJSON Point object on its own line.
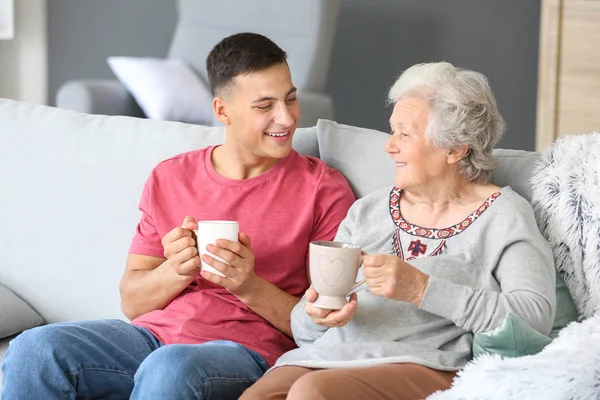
{"type": "Point", "coordinates": [106, 97]}
{"type": "Point", "coordinates": [314, 106]}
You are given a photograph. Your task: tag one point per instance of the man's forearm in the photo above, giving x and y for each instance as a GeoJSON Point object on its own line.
{"type": "Point", "coordinates": [271, 303]}
{"type": "Point", "coordinates": [143, 290]}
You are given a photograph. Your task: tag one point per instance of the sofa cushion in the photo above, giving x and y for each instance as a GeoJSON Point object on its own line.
{"type": "Point", "coordinates": [15, 314]}
{"type": "Point", "coordinates": [514, 338]}
{"type": "Point", "coordinates": [514, 169]}
{"type": "Point", "coordinates": [352, 151]}
{"type": "Point", "coordinates": [566, 311]}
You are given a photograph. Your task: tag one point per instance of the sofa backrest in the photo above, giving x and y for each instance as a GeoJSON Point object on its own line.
{"type": "Point", "coordinates": [70, 184]}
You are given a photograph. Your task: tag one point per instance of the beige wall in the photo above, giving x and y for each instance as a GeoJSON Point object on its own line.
{"type": "Point", "coordinates": [24, 60]}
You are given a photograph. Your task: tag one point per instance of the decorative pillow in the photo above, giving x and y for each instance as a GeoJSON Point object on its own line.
{"type": "Point", "coordinates": [351, 149]}
{"type": "Point", "coordinates": [15, 314]}
{"type": "Point", "coordinates": [165, 89]}
{"type": "Point", "coordinates": [566, 312]}
{"type": "Point", "coordinates": [514, 338]}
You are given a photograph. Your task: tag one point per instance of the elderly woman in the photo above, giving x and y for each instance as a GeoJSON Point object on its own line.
{"type": "Point", "coordinates": [450, 255]}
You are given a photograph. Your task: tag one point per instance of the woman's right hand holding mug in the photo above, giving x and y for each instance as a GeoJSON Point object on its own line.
{"type": "Point", "coordinates": [330, 318]}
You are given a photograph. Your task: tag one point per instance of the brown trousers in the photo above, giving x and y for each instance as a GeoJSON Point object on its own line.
{"type": "Point", "coordinates": [381, 382]}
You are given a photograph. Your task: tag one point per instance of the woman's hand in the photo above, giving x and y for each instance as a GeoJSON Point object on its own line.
{"type": "Point", "coordinates": [390, 277]}
{"type": "Point", "coordinates": [330, 318]}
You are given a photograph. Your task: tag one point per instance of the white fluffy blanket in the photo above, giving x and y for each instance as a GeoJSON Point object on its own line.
{"type": "Point", "coordinates": [566, 199]}
{"type": "Point", "coordinates": [567, 369]}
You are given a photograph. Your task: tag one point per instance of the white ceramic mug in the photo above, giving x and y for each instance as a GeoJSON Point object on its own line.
{"type": "Point", "coordinates": [333, 269]}
{"type": "Point", "coordinates": [209, 232]}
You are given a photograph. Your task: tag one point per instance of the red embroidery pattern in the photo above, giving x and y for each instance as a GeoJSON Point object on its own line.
{"type": "Point", "coordinates": [431, 233]}
{"type": "Point", "coordinates": [397, 246]}
{"type": "Point", "coordinates": [439, 250]}
{"type": "Point", "coordinates": [417, 248]}
{"type": "Point", "coordinates": [398, 251]}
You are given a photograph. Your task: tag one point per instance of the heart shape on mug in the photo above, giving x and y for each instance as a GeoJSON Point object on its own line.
{"type": "Point", "coordinates": [331, 271]}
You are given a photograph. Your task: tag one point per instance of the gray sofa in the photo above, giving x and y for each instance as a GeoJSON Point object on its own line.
{"type": "Point", "coordinates": [70, 185]}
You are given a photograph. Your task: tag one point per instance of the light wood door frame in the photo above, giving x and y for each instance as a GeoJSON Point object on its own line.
{"type": "Point", "coordinates": [548, 72]}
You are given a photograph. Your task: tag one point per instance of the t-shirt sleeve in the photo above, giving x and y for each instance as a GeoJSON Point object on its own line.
{"type": "Point", "coordinates": [147, 240]}
{"type": "Point", "coordinates": [333, 199]}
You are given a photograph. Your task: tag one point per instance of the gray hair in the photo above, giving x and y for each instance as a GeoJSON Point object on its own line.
{"type": "Point", "coordinates": [463, 111]}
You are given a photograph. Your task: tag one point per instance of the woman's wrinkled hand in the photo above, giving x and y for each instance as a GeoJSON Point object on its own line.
{"type": "Point", "coordinates": [390, 277]}
{"type": "Point", "coordinates": [330, 318]}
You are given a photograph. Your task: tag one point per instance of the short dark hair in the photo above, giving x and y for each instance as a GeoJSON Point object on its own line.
{"type": "Point", "coordinates": [241, 54]}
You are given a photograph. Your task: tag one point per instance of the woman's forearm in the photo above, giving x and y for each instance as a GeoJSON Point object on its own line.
{"type": "Point", "coordinates": [304, 329]}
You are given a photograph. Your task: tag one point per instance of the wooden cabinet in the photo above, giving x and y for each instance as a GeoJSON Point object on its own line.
{"type": "Point", "coordinates": [569, 69]}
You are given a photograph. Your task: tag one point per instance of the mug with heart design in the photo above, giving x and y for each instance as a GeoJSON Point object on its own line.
{"type": "Point", "coordinates": [333, 269]}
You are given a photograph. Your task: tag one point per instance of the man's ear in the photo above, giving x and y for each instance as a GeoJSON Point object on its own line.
{"type": "Point", "coordinates": [456, 154]}
{"type": "Point", "coordinates": [221, 110]}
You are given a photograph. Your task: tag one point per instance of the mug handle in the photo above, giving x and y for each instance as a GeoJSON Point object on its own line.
{"type": "Point", "coordinates": [357, 284]}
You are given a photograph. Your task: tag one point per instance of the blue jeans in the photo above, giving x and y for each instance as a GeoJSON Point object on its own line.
{"type": "Point", "coordinates": [111, 359]}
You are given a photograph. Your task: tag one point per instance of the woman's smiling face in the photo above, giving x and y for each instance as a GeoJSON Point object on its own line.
{"type": "Point", "coordinates": [418, 161]}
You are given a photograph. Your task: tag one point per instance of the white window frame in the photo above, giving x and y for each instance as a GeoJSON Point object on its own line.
{"type": "Point", "coordinates": [7, 19]}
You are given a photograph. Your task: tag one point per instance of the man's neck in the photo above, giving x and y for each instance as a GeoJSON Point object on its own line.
{"type": "Point", "coordinates": [230, 162]}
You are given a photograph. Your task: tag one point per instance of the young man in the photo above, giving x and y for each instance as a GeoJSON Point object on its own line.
{"type": "Point", "coordinates": [197, 335]}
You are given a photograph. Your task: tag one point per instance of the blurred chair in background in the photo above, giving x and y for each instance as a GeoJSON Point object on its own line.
{"type": "Point", "coordinates": [304, 29]}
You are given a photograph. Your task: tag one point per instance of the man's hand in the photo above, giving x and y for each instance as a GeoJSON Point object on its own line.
{"type": "Point", "coordinates": [390, 277]}
{"type": "Point", "coordinates": [239, 275]}
{"type": "Point", "coordinates": [180, 248]}
{"type": "Point", "coordinates": [330, 318]}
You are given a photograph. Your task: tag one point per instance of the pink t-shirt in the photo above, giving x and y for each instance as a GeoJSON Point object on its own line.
{"type": "Point", "coordinates": [297, 201]}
